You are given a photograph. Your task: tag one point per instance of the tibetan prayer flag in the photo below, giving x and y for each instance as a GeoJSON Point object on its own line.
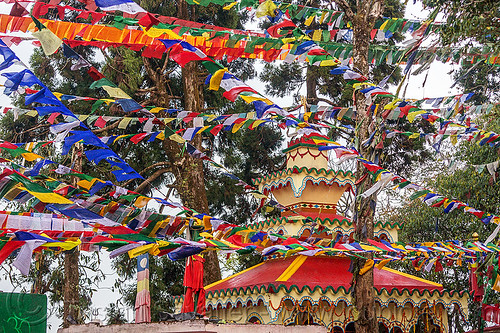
{"type": "Point", "coordinates": [183, 52]}
{"type": "Point", "coordinates": [127, 6]}
{"type": "Point", "coordinates": [49, 41]}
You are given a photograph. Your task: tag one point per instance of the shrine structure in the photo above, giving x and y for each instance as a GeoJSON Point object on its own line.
{"type": "Point", "coordinates": [316, 290]}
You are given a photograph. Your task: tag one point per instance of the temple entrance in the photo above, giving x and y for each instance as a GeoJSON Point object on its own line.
{"type": "Point", "coordinates": [382, 328]}
{"type": "Point", "coordinates": [425, 324]}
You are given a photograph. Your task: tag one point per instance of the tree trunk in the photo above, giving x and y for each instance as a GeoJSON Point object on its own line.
{"type": "Point", "coordinates": [312, 71]}
{"type": "Point", "coordinates": [312, 85]}
{"type": "Point", "coordinates": [363, 293]}
{"type": "Point", "coordinates": [189, 172]}
{"type": "Point", "coordinates": [71, 308]}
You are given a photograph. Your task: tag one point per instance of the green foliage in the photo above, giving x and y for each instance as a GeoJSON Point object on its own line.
{"type": "Point", "coordinates": [114, 315]}
{"type": "Point", "coordinates": [478, 190]}
{"type": "Point", "coordinates": [403, 155]}
{"type": "Point", "coordinates": [481, 79]}
{"type": "Point", "coordinates": [469, 21]}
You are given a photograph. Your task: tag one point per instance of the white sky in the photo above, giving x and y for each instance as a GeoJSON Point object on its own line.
{"type": "Point", "coordinates": [437, 85]}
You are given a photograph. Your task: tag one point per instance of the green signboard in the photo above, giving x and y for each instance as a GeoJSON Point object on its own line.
{"type": "Point", "coordinates": [23, 313]}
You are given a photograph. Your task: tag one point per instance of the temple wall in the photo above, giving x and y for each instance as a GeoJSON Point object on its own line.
{"type": "Point", "coordinates": [334, 309]}
{"type": "Point", "coordinates": [307, 157]}
{"type": "Point", "coordinates": [190, 326]}
{"type": "Point", "coordinates": [301, 188]}
{"type": "Point", "coordinates": [392, 233]}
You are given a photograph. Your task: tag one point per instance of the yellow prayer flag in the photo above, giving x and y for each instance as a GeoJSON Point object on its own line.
{"type": "Point", "coordinates": [250, 99]}
{"type": "Point", "coordinates": [256, 123]}
{"type": "Point", "coordinates": [368, 265]}
{"type": "Point", "coordinates": [116, 92]}
{"type": "Point", "coordinates": [154, 32]}
{"type": "Point", "coordinates": [141, 250]}
{"type": "Point", "coordinates": [30, 156]}
{"type": "Point", "coordinates": [66, 245]}
{"type": "Point", "coordinates": [176, 138]}
{"type": "Point", "coordinates": [360, 85]}
{"type": "Point", "coordinates": [236, 127]}
{"type": "Point", "coordinates": [86, 184]}
{"type": "Point", "coordinates": [411, 116]}
{"type": "Point", "coordinates": [307, 115]}
{"type": "Point", "coordinates": [216, 79]}
{"type": "Point", "coordinates": [317, 35]}
{"type": "Point", "coordinates": [454, 139]}
{"type": "Point", "coordinates": [382, 263]}
{"type": "Point", "coordinates": [49, 41]}
{"type": "Point", "coordinates": [382, 27]}
{"type": "Point", "coordinates": [329, 62]}
{"type": "Point", "coordinates": [322, 18]}
{"type": "Point", "coordinates": [317, 141]}
{"type": "Point", "coordinates": [141, 201]}
{"type": "Point", "coordinates": [30, 146]}
{"type": "Point", "coordinates": [48, 197]}
{"type": "Point", "coordinates": [161, 136]}
{"type": "Point", "coordinates": [206, 235]}
{"type": "Point", "coordinates": [496, 284]}
{"type": "Point", "coordinates": [267, 8]}
{"type": "Point", "coordinates": [156, 109]}
{"type": "Point", "coordinates": [124, 122]}
{"type": "Point", "coordinates": [309, 20]}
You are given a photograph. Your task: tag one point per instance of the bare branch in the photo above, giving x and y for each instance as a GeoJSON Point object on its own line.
{"type": "Point", "coordinates": [110, 127]}
{"type": "Point", "coordinates": [149, 168]}
{"type": "Point", "coordinates": [324, 100]}
{"type": "Point", "coordinates": [346, 8]}
{"type": "Point", "coordinates": [150, 179]}
{"type": "Point", "coordinates": [34, 128]}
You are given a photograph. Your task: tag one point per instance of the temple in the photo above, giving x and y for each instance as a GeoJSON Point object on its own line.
{"type": "Point", "coordinates": [315, 290]}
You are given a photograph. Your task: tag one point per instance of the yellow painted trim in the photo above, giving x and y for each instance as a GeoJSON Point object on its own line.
{"type": "Point", "coordinates": [229, 277]}
{"type": "Point", "coordinates": [411, 276]}
{"type": "Point", "coordinates": [294, 266]}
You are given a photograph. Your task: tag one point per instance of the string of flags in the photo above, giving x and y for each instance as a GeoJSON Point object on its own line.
{"type": "Point", "coordinates": [22, 77]}
{"type": "Point", "coordinates": [382, 177]}
{"type": "Point", "coordinates": [237, 86]}
{"type": "Point", "coordinates": [34, 232]}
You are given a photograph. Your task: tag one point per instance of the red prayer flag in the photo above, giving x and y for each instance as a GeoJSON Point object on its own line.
{"type": "Point", "coordinates": [100, 122]}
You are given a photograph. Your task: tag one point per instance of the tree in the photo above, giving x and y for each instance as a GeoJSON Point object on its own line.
{"type": "Point", "coordinates": [468, 183]}
{"type": "Point", "coordinates": [114, 315]}
{"type": "Point", "coordinates": [469, 21]}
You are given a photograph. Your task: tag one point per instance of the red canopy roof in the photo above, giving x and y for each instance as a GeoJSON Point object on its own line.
{"type": "Point", "coordinates": [316, 272]}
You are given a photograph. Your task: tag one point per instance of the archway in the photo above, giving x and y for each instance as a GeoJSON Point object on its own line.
{"type": "Point", "coordinates": [425, 324]}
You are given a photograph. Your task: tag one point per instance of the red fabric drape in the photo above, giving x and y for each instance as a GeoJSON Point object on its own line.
{"type": "Point", "coordinates": [193, 280]}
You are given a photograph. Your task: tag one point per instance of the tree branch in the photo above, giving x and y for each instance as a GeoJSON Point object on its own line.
{"type": "Point", "coordinates": [150, 179]}
{"type": "Point", "coordinates": [345, 7]}
{"type": "Point", "coordinates": [155, 165]}
{"type": "Point", "coordinates": [324, 100]}
{"type": "Point", "coordinates": [104, 129]}
{"type": "Point", "coordinates": [34, 128]}
{"type": "Point", "coordinates": [148, 168]}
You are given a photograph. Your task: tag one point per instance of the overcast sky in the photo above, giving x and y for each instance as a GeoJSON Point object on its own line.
{"type": "Point", "coordinates": [438, 84]}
